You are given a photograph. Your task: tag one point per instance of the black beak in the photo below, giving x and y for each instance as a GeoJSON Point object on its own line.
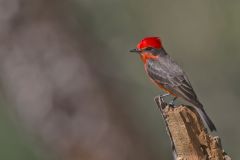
{"type": "Point", "coordinates": [135, 50]}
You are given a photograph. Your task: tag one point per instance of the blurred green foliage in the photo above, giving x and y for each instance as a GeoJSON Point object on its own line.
{"type": "Point", "coordinates": [13, 146]}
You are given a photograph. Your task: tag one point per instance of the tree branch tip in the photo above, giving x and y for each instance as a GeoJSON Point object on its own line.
{"type": "Point", "coordinates": [189, 137]}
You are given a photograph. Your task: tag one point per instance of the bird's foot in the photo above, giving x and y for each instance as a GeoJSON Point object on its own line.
{"type": "Point", "coordinates": [161, 97]}
{"type": "Point", "coordinates": [164, 95]}
{"type": "Point", "coordinates": [172, 102]}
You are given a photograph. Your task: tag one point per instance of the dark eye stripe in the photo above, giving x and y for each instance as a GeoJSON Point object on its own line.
{"type": "Point", "coordinates": [152, 50]}
{"type": "Point", "coordinates": [148, 48]}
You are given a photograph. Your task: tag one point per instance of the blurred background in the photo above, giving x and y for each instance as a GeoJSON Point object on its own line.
{"type": "Point", "coordinates": [70, 90]}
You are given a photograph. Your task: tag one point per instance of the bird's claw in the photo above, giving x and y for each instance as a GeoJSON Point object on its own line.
{"type": "Point", "coordinates": [172, 102]}
{"type": "Point", "coordinates": [160, 98]}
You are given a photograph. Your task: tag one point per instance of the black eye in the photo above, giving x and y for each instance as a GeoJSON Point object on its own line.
{"type": "Point", "coordinates": [148, 49]}
{"type": "Point", "coordinates": [152, 50]}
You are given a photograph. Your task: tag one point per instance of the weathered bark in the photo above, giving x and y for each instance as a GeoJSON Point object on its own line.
{"type": "Point", "coordinates": [190, 139]}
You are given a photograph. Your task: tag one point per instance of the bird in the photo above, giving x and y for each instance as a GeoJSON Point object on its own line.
{"type": "Point", "coordinates": [168, 75]}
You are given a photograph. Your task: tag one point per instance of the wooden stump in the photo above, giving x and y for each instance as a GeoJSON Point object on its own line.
{"type": "Point", "coordinates": [189, 138]}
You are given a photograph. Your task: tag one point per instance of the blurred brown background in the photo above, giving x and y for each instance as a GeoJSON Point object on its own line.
{"type": "Point", "coordinates": [70, 90]}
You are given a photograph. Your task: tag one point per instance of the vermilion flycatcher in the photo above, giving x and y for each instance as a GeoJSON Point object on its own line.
{"type": "Point", "coordinates": [168, 75]}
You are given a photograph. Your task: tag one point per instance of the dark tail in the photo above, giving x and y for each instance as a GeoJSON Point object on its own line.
{"type": "Point", "coordinates": [205, 117]}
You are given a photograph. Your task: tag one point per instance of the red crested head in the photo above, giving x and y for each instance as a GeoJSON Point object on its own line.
{"type": "Point", "coordinates": [153, 42]}
{"type": "Point", "coordinates": [149, 48]}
